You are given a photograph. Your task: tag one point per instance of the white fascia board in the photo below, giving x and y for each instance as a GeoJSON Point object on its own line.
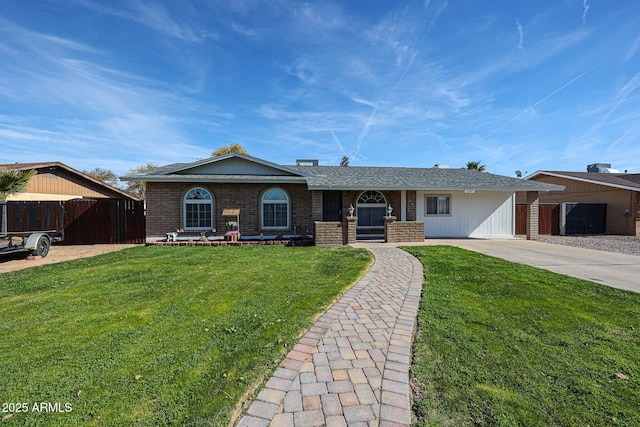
{"type": "Point", "coordinates": [431, 188]}
{"type": "Point", "coordinates": [589, 181]}
{"type": "Point", "coordinates": [222, 178]}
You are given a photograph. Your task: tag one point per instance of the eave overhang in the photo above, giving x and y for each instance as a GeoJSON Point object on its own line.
{"type": "Point", "coordinates": [234, 179]}
{"type": "Point", "coordinates": [551, 187]}
{"type": "Point", "coordinates": [575, 178]}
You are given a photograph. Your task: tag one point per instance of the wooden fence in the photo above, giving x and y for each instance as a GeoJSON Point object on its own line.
{"type": "Point", "coordinates": [548, 217]}
{"type": "Point", "coordinates": [81, 222]}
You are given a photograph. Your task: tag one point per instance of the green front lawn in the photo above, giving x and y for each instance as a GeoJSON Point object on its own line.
{"type": "Point", "coordinates": [503, 344]}
{"type": "Point", "coordinates": [157, 336]}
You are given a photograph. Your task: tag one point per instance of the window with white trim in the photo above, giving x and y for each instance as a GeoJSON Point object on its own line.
{"type": "Point", "coordinates": [198, 210]}
{"type": "Point", "coordinates": [371, 208]}
{"type": "Point", "coordinates": [437, 205]}
{"type": "Point", "coordinates": [275, 209]}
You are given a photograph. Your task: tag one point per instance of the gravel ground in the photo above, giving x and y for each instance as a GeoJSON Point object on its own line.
{"type": "Point", "coordinates": [629, 245]}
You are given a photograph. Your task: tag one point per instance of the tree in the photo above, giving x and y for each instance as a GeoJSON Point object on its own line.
{"type": "Point", "coordinates": [139, 188]}
{"type": "Point", "coordinates": [344, 161]}
{"type": "Point", "coordinates": [12, 182]}
{"type": "Point", "coordinates": [476, 166]}
{"type": "Point", "coordinates": [232, 148]}
{"type": "Point", "coordinates": [104, 175]}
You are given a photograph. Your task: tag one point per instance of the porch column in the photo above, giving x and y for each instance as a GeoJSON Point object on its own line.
{"type": "Point", "coordinates": [403, 207]}
{"type": "Point", "coordinates": [349, 233]}
{"type": "Point", "coordinates": [533, 216]}
{"type": "Point", "coordinates": [411, 205]}
{"type": "Point", "coordinates": [389, 229]}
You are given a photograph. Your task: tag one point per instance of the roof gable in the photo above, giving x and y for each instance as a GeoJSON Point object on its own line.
{"type": "Point", "coordinates": [615, 180]}
{"type": "Point", "coordinates": [78, 180]}
{"type": "Point", "coordinates": [228, 164]}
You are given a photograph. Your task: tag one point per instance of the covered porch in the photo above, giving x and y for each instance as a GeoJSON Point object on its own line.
{"type": "Point", "coordinates": [346, 216]}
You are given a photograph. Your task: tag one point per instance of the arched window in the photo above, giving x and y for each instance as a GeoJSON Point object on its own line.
{"type": "Point", "coordinates": [275, 209]}
{"type": "Point", "coordinates": [198, 209]}
{"type": "Point", "coordinates": [371, 208]}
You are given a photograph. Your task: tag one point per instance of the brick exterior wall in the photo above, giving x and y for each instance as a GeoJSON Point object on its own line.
{"type": "Point", "coordinates": [533, 215]}
{"type": "Point", "coordinates": [316, 205]}
{"type": "Point", "coordinates": [328, 233]}
{"type": "Point", "coordinates": [335, 233]}
{"type": "Point", "coordinates": [403, 232]}
{"type": "Point", "coordinates": [165, 203]}
{"type": "Point", "coordinates": [351, 198]}
{"type": "Point", "coordinates": [635, 211]}
{"type": "Point", "coordinates": [393, 197]}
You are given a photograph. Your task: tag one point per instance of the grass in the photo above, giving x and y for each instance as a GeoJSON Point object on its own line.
{"type": "Point", "coordinates": [159, 336]}
{"type": "Point", "coordinates": [503, 344]}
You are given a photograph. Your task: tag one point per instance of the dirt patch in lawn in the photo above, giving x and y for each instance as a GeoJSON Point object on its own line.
{"type": "Point", "coordinates": [18, 261]}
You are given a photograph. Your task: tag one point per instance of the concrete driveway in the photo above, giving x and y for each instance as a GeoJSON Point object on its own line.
{"type": "Point", "coordinates": [608, 268]}
{"type": "Point", "coordinates": [13, 262]}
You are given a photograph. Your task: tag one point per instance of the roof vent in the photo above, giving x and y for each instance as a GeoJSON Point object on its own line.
{"type": "Point", "coordinates": [601, 168]}
{"type": "Point", "coordinates": [306, 162]}
{"type": "Point", "coordinates": [439, 166]}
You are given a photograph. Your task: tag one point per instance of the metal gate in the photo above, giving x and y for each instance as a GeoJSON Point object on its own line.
{"type": "Point", "coordinates": [331, 206]}
{"type": "Point", "coordinates": [585, 218]}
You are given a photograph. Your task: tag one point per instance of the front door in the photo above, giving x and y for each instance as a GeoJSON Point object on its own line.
{"type": "Point", "coordinates": [331, 206]}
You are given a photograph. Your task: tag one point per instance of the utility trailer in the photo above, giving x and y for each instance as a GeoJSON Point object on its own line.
{"type": "Point", "coordinates": [36, 243]}
{"type": "Point", "coordinates": [34, 227]}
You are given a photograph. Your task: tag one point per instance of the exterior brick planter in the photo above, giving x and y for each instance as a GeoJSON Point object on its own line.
{"type": "Point", "coordinates": [282, 242]}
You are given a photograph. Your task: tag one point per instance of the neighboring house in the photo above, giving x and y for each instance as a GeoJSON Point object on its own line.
{"type": "Point", "coordinates": [593, 202]}
{"type": "Point", "coordinates": [80, 209]}
{"type": "Point", "coordinates": [57, 182]}
{"type": "Point", "coordinates": [306, 199]}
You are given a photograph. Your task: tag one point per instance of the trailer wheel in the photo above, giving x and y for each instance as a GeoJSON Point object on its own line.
{"type": "Point", "coordinates": [42, 246]}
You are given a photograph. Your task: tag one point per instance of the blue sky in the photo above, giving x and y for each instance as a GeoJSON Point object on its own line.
{"type": "Point", "coordinates": [518, 84]}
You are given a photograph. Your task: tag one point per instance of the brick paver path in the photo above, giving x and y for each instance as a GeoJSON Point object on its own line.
{"type": "Point", "coordinates": [352, 367]}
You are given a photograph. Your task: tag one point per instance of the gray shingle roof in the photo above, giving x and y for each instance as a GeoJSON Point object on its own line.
{"type": "Point", "coordinates": [398, 178]}
{"type": "Point", "coordinates": [626, 180]}
{"type": "Point", "coordinates": [352, 177]}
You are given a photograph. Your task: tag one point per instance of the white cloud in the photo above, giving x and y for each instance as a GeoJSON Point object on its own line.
{"type": "Point", "coordinates": [621, 96]}
{"type": "Point", "coordinates": [152, 15]}
{"type": "Point", "coordinates": [585, 9]}
{"type": "Point", "coordinates": [633, 49]}
{"type": "Point", "coordinates": [520, 35]}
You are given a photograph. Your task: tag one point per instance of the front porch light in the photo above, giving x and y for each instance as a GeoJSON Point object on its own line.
{"type": "Point", "coordinates": [351, 209]}
{"type": "Point", "coordinates": [389, 210]}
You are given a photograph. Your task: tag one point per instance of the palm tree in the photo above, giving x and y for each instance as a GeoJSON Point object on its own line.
{"type": "Point", "coordinates": [476, 166]}
{"type": "Point", "coordinates": [11, 182]}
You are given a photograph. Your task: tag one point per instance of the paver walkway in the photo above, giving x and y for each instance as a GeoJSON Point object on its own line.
{"type": "Point", "coordinates": [352, 367]}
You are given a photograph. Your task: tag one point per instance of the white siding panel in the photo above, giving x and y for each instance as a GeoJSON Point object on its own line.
{"type": "Point", "coordinates": [480, 214]}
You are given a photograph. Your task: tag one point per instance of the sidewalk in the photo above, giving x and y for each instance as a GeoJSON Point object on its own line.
{"type": "Point", "coordinates": [352, 367]}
